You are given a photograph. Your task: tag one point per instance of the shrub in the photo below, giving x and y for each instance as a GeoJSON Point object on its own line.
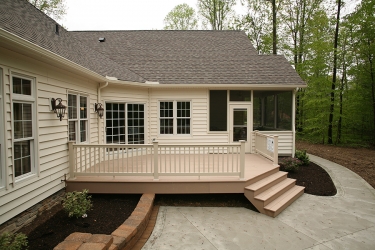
{"type": "Point", "coordinates": [77, 203]}
{"type": "Point", "coordinates": [10, 241]}
{"type": "Point", "coordinates": [302, 156]}
{"type": "Point", "coordinates": [290, 164]}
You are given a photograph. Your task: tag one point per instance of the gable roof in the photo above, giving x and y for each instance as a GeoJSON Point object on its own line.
{"type": "Point", "coordinates": [167, 57]}
{"type": "Point", "coordinates": [21, 18]}
{"type": "Point", "coordinates": [191, 57]}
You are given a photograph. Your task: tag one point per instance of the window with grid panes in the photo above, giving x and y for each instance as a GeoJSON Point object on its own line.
{"type": "Point", "coordinates": [125, 123]}
{"type": "Point", "coordinates": [23, 102]}
{"type": "Point", "coordinates": [175, 117]}
{"type": "Point", "coordinates": [77, 117]}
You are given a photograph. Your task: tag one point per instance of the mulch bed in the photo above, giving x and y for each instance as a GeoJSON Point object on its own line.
{"type": "Point", "coordinates": [108, 213]}
{"type": "Point", "coordinates": [315, 180]}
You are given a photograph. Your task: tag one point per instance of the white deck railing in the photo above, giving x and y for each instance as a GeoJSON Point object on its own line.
{"type": "Point", "coordinates": [267, 146]}
{"type": "Point", "coordinates": [156, 160]}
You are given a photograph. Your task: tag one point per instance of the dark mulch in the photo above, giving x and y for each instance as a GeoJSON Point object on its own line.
{"type": "Point", "coordinates": [108, 213]}
{"type": "Point", "coordinates": [315, 180]}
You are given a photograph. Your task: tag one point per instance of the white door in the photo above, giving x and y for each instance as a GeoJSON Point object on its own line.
{"type": "Point", "coordinates": [241, 124]}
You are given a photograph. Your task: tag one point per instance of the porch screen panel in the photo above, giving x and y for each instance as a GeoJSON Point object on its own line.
{"type": "Point", "coordinates": [115, 123]}
{"type": "Point", "coordinates": [218, 110]}
{"type": "Point", "coordinates": [166, 117]}
{"type": "Point", "coordinates": [272, 110]}
{"type": "Point", "coordinates": [136, 122]}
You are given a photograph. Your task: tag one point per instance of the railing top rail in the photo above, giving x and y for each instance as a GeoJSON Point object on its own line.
{"type": "Point", "coordinates": [201, 145]}
{"type": "Point", "coordinates": [151, 145]}
{"type": "Point", "coordinates": [114, 145]}
{"type": "Point", "coordinates": [264, 135]}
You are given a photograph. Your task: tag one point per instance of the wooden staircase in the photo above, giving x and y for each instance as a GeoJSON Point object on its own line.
{"type": "Point", "coordinates": [272, 194]}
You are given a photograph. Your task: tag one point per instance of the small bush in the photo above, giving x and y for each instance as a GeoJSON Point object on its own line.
{"type": "Point", "coordinates": [77, 203]}
{"type": "Point", "coordinates": [10, 241]}
{"type": "Point", "coordinates": [302, 156]}
{"type": "Point", "coordinates": [290, 164]}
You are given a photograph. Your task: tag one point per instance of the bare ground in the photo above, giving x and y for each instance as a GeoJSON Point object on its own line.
{"type": "Point", "coordinates": [359, 160]}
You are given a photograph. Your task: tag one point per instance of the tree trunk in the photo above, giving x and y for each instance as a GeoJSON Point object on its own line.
{"type": "Point", "coordinates": [334, 75]}
{"type": "Point", "coordinates": [274, 37]}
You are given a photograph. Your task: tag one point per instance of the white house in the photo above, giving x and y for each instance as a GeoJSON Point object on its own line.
{"type": "Point", "coordinates": [173, 87]}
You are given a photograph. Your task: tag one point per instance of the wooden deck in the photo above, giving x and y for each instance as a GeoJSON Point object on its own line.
{"type": "Point", "coordinates": [256, 167]}
{"type": "Point", "coordinates": [267, 188]}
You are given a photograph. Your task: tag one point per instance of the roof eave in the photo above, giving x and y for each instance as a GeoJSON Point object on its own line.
{"type": "Point", "coordinates": [17, 44]}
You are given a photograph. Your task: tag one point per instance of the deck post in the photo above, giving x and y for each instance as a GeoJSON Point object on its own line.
{"type": "Point", "coordinates": [156, 160]}
{"type": "Point", "coordinates": [71, 160]}
{"type": "Point", "coordinates": [275, 150]}
{"type": "Point", "coordinates": [242, 160]}
{"type": "Point", "coordinates": [255, 141]}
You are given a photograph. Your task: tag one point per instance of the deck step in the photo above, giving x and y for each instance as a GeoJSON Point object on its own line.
{"type": "Point", "coordinates": [266, 183]}
{"type": "Point", "coordinates": [279, 204]}
{"type": "Point", "coordinates": [275, 191]}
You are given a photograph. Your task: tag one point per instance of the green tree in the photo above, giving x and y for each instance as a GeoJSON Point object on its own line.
{"type": "Point", "coordinates": [334, 74]}
{"type": "Point", "coordinates": [181, 17]}
{"type": "Point", "coordinates": [257, 24]}
{"type": "Point", "coordinates": [315, 70]}
{"type": "Point", "coordinates": [53, 8]}
{"type": "Point", "coordinates": [361, 25]}
{"type": "Point", "coordinates": [216, 13]}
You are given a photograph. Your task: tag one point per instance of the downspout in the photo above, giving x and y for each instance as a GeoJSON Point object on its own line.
{"type": "Point", "coordinates": [99, 122]}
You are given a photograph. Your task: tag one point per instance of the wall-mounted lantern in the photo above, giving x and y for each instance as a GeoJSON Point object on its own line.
{"type": "Point", "coordinates": [99, 109]}
{"type": "Point", "coordinates": [59, 108]}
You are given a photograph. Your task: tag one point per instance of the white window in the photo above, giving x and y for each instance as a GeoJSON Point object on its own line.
{"type": "Point", "coordinates": [78, 118]}
{"type": "Point", "coordinates": [175, 117]}
{"type": "Point", "coordinates": [23, 104]}
{"type": "Point", "coordinates": [125, 123]}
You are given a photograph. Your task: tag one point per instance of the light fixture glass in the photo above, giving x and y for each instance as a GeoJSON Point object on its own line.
{"type": "Point", "coordinates": [59, 109]}
{"type": "Point", "coordinates": [99, 109]}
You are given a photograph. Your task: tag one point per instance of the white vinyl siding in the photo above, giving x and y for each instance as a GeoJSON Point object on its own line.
{"type": "Point", "coordinates": [2, 143]}
{"type": "Point", "coordinates": [51, 134]}
{"type": "Point", "coordinates": [24, 146]}
{"type": "Point", "coordinates": [199, 132]}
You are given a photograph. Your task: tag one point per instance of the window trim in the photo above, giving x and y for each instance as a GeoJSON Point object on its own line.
{"type": "Point", "coordinates": [175, 117]}
{"type": "Point", "coordinates": [28, 99]}
{"type": "Point", "coordinates": [79, 119]}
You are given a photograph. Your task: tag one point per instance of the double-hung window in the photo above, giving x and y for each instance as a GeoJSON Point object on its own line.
{"type": "Point", "coordinates": [78, 118]}
{"type": "Point", "coordinates": [175, 117]}
{"type": "Point", "coordinates": [23, 102]}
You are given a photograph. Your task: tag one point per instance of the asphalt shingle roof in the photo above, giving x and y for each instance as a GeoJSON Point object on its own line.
{"type": "Point", "coordinates": [167, 57]}
{"type": "Point", "coordinates": [24, 20]}
{"type": "Point", "coordinates": [191, 57]}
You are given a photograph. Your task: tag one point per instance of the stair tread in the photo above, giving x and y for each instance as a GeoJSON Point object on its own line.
{"type": "Point", "coordinates": [259, 184]}
{"type": "Point", "coordinates": [275, 189]}
{"type": "Point", "coordinates": [284, 198]}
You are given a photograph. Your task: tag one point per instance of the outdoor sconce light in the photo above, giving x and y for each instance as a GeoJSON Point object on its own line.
{"type": "Point", "coordinates": [59, 109]}
{"type": "Point", "coordinates": [99, 109]}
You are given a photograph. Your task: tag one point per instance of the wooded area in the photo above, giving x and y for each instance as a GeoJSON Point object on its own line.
{"type": "Point", "coordinates": [331, 49]}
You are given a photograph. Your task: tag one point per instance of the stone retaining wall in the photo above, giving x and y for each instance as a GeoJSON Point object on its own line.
{"type": "Point", "coordinates": [123, 238]}
{"type": "Point", "coordinates": [26, 217]}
